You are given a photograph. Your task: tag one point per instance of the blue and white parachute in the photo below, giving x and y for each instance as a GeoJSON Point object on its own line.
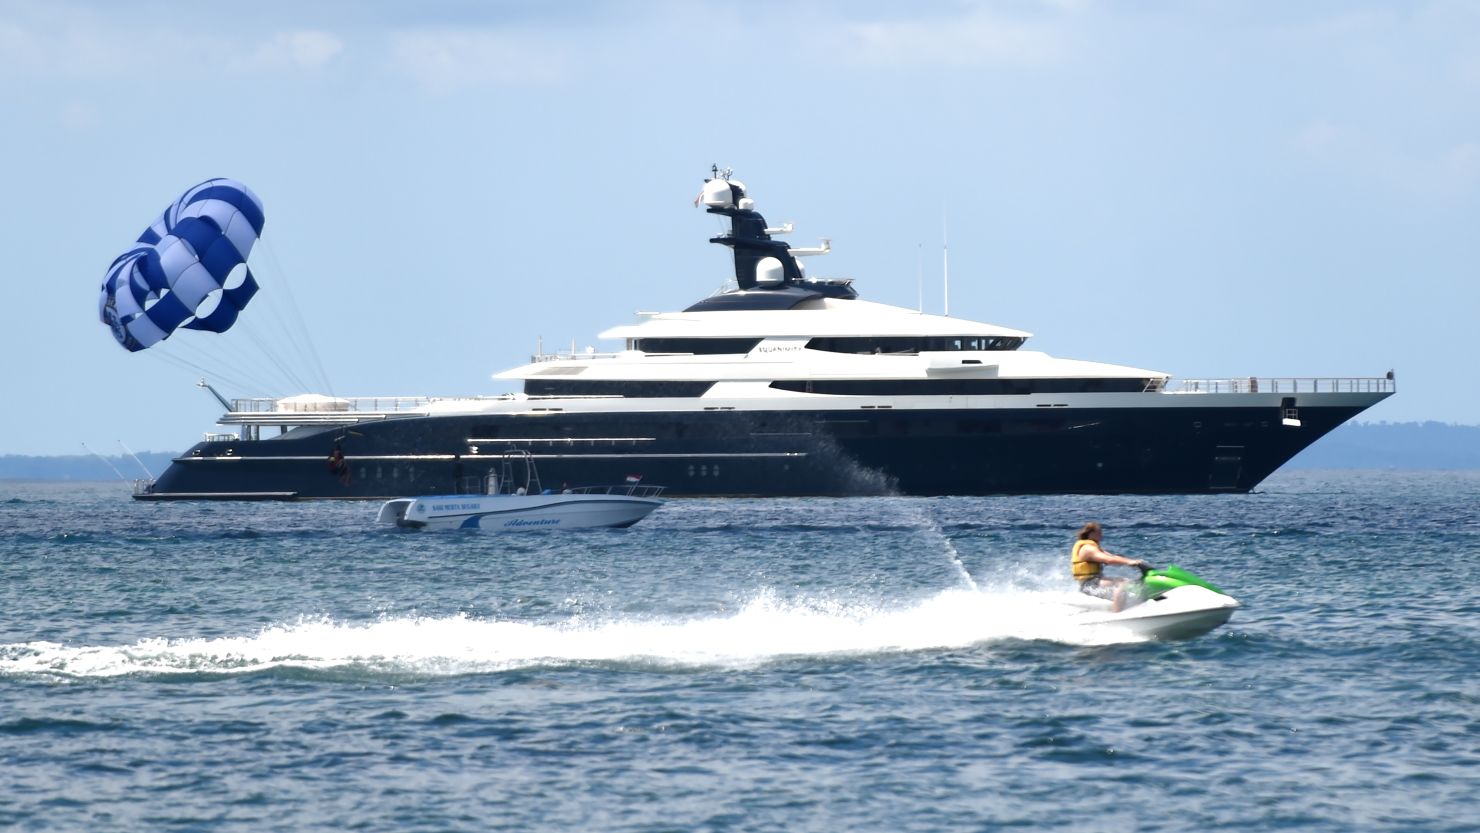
{"type": "Point", "coordinates": [193, 255]}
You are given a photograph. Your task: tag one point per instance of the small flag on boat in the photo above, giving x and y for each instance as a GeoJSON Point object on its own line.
{"type": "Point", "coordinates": [634, 478]}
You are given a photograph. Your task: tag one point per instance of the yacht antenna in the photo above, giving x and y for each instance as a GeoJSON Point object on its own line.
{"type": "Point", "coordinates": [945, 260]}
{"type": "Point", "coordinates": [919, 278]}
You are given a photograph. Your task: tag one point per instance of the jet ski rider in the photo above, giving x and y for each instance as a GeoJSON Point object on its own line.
{"type": "Point", "coordinates": [1087, 560]}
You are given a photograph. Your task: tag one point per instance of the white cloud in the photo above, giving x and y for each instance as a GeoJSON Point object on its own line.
{"type": "Point", "coordinates": [78, 116]}
{"type": "Point", "coordinates": [77, 47]}
{"type": "Point", "coordinates": [70, 44]}
{"type": "Point", "coordinates": [299, 50]}
{"type": "Point", "coordinates": [1453, 170]}
{"type": "Point", "coordinates": [1070, 5]}
{"type": "Point", "coordinates": [1318, 138]}
{"type": "Point", "coordinates": [975, 39]}
{"type": "Point", "coordinates": [1462, 162]}
{"type": "Point", "coordinates": [1467, 67]}
{"type": "Point", "coordinates": [19, 50]}
{"type": "Point", "coordinates": [446, 59]}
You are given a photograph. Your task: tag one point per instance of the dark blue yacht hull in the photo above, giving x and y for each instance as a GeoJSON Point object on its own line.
{"type": "Point", "coordinates": [1161, 450]}
{"type": "Point", "coordinates": [842, 380]}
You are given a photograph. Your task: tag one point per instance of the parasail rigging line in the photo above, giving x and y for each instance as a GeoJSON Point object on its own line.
{"type": "Point", "coordinates": [148, 474]}
{"type": "Point", "coordinates": [307, 346]}
{"type": "Point", "coordinates": [238, 378]}
{"type": "Point", "coordinates": [106, 462]}
{"type": "Point", "coordinates": [227, 362]}
{"type": "Point", "coordinates": [267, 332]}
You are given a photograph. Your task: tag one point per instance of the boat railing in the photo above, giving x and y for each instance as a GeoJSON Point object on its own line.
{"type": "Point", "coordinates": [568, 355]}
{"type": "Point", "coordinates": [629, 489]}
{"type": "Point", "coordinates": [506, 478]}
{"type": "Point", "coordinates": [378, 404]}
{"type": "Point", "coordinates": [1289, 384]}
{"type": "Point", "coordinates": [495, 484]}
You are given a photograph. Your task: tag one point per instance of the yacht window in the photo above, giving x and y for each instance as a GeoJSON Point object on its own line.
{"type": "Point", "coordinates": [910, 345]}
{"type": "Point", "coordinates": [959, 387]}
{"type": "Point", "coordinates": [614, 387]}
{"type": "Point", "coordinates": [696, 346]}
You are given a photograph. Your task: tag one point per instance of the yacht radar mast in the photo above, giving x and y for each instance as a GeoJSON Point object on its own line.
{"type": "Point", "coordinates": [761, 262]}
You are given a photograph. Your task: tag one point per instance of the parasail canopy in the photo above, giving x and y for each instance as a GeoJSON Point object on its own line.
{"type": "Point", "coordinates": [188, 269]}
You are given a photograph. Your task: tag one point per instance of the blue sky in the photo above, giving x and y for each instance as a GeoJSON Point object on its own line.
{"type": "Point", "coordinates": [1211, 189]}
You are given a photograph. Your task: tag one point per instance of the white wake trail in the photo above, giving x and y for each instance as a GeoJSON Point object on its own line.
{"type": "Point", "coordinates": [765, 629]}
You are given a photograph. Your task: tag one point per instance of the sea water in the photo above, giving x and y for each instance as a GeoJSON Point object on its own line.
{"type": "Point", "coordinates": [890, 664]}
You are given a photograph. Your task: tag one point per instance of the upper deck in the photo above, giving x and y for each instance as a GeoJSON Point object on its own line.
{"type": "Point", "coordinates": [256, 412]}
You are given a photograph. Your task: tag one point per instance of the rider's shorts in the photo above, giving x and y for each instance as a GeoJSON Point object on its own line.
{"type": "Point", "coordinates": [1098, 587]}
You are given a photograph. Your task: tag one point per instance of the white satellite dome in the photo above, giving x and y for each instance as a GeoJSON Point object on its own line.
{"type": "Point", "coordinates": [721, 193]}
{"type": "Point", "coordinates": [769, 272]}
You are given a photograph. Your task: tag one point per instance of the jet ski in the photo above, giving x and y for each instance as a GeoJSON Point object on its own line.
{"type": "Point", "coordinates": [1168, 603]}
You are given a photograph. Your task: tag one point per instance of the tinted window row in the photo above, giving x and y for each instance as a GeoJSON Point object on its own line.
{"type": "Point", "coordinates": [959, 387]}
{"type": "Point", "coordinates": [912, 344]}
{"type": "Point", "coordinates": [697, 346]}
{"type": "Point", "coordinates": [606, 387]}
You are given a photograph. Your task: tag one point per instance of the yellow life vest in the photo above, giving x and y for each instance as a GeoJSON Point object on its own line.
{"type": "Point", "coordinates": [1083, 569]}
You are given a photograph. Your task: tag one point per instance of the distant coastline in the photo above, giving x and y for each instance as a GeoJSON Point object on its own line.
{"type": "Point", "coordinates": [1394, 445]}
{"type": "Point", "coordinates": [1369, 445]}
{"type": "Point", "coordinates": [82, 466]}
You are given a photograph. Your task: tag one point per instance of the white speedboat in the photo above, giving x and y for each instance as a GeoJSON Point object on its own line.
{"type": "Point", "coordinates": [510, 502]}
{"type": "Point", "coordinates": [1169, 604]}
{"type": "Point", "coordinates": [516, 513]}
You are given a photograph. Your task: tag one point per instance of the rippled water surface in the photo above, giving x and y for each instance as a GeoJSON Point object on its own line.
{"type": "Point", "coordinates": [896, 664]}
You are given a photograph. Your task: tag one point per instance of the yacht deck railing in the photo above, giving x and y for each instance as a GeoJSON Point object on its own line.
{"type": "Point", "coordinates": [568, 355]}
{"type": "Point", "coordinates": [330, 409]}
{"type": "Point", "coordinates": [1289, 384]}
{"type": "Point", "coordinates": [357, 404]}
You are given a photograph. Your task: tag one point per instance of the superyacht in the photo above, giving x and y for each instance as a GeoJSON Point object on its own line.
{"type": "Point", "coordinates": [785, 385]}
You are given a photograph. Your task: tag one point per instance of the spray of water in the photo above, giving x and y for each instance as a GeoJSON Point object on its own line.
{"type": "Point", "coordinates": [765, 629]}
{"type": "Point", "coordinates": [932, 530]}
